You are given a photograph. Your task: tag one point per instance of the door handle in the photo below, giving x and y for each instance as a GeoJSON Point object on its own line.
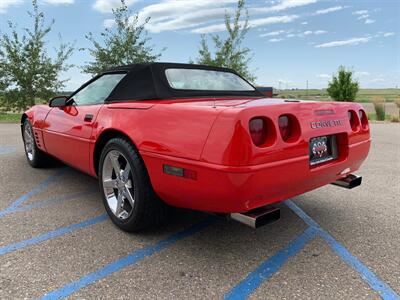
{"type": "Point", "coordinates": [88, 118]}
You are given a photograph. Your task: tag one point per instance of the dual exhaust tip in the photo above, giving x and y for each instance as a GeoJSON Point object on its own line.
{"type": "Point", "coordinates": [258, 217]}
{"type": "Point", "coordinates": [348, 182]}
{"type": "Point", "coordinates": [268, 214]}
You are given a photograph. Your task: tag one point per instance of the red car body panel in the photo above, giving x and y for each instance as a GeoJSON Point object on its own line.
{"type": "Point", "coordinates": [211, 138]}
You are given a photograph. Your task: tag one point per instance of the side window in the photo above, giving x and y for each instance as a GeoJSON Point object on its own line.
{"type": "Point", "coordinates": [98, 90]}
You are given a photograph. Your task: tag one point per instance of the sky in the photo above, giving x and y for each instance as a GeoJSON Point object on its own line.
{"type": "Point", "coordinates": [292, 41]}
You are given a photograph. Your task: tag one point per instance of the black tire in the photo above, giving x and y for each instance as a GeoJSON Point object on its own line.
{"type": "Point", "coordinates": [148, 210]}
{"type": "Point", "coordinates": [36, 157]}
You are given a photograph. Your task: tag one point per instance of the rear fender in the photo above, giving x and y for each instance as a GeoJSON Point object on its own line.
{"type": "Point", "coordinates": [230, 144]}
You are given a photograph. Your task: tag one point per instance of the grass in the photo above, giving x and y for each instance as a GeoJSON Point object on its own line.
{"type": "Point", "coordinates": [10, 118]}
{"type": "Point", "coordinates": [379, 106]}
{"type": "Point", "coordinates": [363, 96]}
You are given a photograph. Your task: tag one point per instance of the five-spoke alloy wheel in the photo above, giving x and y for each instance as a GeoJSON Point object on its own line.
{"type": "Point", "coordinates": [36, 158]}
{"type": "Point", "coordinates": [29, 141]}
{"type": "Point", "coordinates": [128, 196]}
{"type": "Point", "coordinates": [118, 184]}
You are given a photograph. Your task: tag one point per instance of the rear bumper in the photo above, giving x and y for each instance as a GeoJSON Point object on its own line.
{"type": "Point", "coordinates": [228, 189]}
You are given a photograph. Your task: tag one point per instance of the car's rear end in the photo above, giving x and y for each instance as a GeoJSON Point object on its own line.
{"type": "Point", "coordinates": [267, 150]}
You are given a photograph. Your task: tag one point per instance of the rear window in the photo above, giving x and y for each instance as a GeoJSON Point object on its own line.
{"type": "Point", "coordinates": [206, 80]}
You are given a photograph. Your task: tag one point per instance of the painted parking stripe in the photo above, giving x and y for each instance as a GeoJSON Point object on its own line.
{"type": "Point", "coordinates": [373, 281]}
{"type": "Point", "coordinates": [45, 202]}
{"type": "Point", "coordinates": [51, 234]}
{"type": "Point", "coordinates": [7, 149]}
{"type": "Point", "coordinates": [37, 189]}
{"type": "Point", "coordinates": [128, 260]}
{"type": "Point", "coordinates": [269, 267]}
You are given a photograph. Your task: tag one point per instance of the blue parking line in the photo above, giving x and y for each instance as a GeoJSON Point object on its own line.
{"type": "Point", "coordinates": [269, 267]}
{"type": "Point", "coordinates": [366, 274]}
{"type": "Point", "coordinates": [36, 190]}
{"type": "Point", "coordinates": [51, 234]}
{"type": "Point", "coordinates": [128, 260]}
{"type": "Point", "coordinates": [7, 149]}
{"type": "Point", "coordinates": [45, 202]}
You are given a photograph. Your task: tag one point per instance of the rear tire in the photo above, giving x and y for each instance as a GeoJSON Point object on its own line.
{"type": "Point", "coordinates": [128, 196]}
{"type": "Point", "coordinates": [35, 157]}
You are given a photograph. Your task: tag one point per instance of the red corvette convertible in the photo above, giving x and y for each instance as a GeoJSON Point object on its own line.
{"type": "Point", "coordinates": [198, 137]}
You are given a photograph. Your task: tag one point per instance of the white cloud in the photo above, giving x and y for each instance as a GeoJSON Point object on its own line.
{"type": "Point", "coordinates": [291, 34]}
{"type": "Point", "coordinates": [283, 5]}
{"type": "Point", "coordinates": [273, 33]}
{"type": "Point", "coordinates": [363, 17]}
{"type": "Point", "coordinates": [349, 42]}
{"type": "Point", "coordinates": [304, 23]}
{"type": "Point", "coordinates": [252, 23]}
{"type": "Point", "coordinates": [275, 40]}
{"type": "Point", "coordinates": [106, 6]}
{"type": "Point", "coordinates": [362, 73]}
{"type": "Point", "coordinates": [378, 80]}
{"type": "Point", "coordinates": [207, 16]}
{"type": "Point", "coordinates": [4, 4]}
{"type": "Point", "coordinates": [387, 34]}
{"type": "Point", "coordinates": [309, 32]}
{"type": "Point", "coordinates": [360, 12]}
{"type": "Point", "coordinates": [58, 2]}
{"type": "Point", "coordinates": [176, 14]}
{"type": "Point", "coordinates": [324, 76]}
{"type": "Point", "coordinates": [369, 21]}
{"type": "Point", "coordinates": [328, 10]}
{"type": "Point", "coordinates": [108, 23]}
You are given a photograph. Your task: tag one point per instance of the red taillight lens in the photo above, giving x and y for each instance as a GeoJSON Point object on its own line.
{"type": "Point", "coordinates": [258, 131]}
{"type": "Point", "coordinates": [284, 127]}
{"type": "Point", "coordinates": [363, 119]}
{"type": "Point", "coordinates": [353, 119]}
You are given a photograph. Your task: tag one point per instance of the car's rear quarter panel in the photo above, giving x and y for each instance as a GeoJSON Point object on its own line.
{"type": "Point", "coordinates": [170, 129]}
{"type": "Point", "coordinates": [237, 149]}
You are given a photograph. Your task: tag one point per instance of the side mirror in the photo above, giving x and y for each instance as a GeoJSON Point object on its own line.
{"type": "Point", "coordinates": [59, 101]}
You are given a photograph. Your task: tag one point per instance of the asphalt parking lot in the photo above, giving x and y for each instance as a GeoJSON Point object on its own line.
{"type": "Point", "coordinates": [331, 243]}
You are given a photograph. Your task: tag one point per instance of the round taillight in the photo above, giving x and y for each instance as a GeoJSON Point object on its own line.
{"type": "Point", "coordinates": [284, 127]}
{"type": "Point", "coordinates": [363, 119]}
{"type": "Point", "coordinates": [289, 128]}
{"type": "Point", "coordinates": [353, 119]}
{"type": "Point", "coordinates": [350, 116]}
{"type": "Point", "coordinates": [258, 131]}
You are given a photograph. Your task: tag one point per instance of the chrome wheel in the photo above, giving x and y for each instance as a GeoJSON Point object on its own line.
{"type": "Point", "coordinates": [118, 184]}
{"type": "Point", "coordinates": [29, 141]}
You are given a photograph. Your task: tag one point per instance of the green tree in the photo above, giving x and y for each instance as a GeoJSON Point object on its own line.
{"type": "Point", "coordinates": [27, 71]}
{"type": "Point", "coordinates": [229, 51]}
{"type": "Point", "coordinates": [3, 79]}
{"type": "Point", "coordinates": [343, 87]}
{"type": "Point", "coordinates": [125, 43]}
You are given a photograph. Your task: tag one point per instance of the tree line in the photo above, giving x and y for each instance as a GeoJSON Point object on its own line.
{"type": "Point", "coordinates": [28, 72]}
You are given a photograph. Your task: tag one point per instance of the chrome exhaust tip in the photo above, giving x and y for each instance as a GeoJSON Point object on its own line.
{"type": "Point", "coordinates": [349, 182]}
{"type": "Point", "coordinates": [258, 217]}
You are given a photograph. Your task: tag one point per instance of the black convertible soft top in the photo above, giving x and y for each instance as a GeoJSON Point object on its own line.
{"type": "Point", "coordinates": [148, 81]}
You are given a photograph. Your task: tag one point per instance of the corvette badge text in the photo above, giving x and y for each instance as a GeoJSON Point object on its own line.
{"type": "Point", "coordinates": [327, 123]}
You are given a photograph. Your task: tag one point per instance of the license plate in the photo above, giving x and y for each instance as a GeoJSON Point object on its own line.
{"type": "Point", "coordinates": [323, 149]}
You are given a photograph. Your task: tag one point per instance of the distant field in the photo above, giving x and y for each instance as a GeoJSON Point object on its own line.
{"type": "Point", "coordinates": [10, 118]}
{"type": "Point", "coordinates": [364, 95]}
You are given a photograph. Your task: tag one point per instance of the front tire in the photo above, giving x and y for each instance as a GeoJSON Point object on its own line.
{"type": "Point", "coordinates": [36, 157]}
{"type": "Point", "coordinates": [128, 196]}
